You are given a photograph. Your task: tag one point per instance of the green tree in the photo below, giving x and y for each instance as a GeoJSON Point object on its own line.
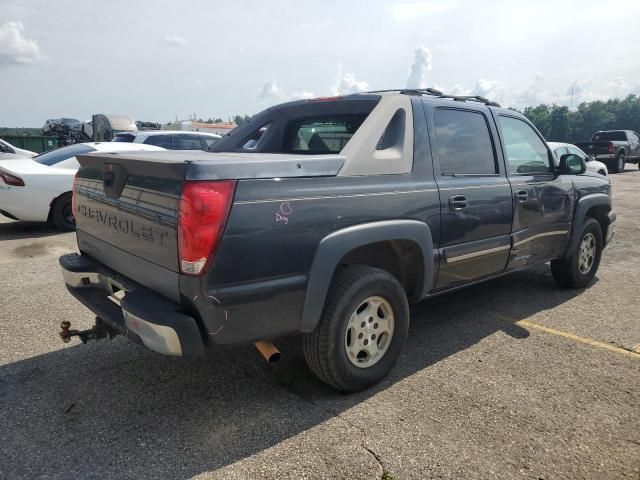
{"type": "Point", "coordinates": [559, 124]}
{"type": "Point", "coordinates": [241, 119]}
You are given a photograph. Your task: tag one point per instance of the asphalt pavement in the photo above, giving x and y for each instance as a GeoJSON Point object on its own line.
{"type": "Point", "coordinates": [513, 378]}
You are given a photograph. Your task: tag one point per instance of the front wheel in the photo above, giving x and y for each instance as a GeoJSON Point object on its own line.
{"type": "Point", "coordinates": [580, 268]}
{"type": "Point", "coordinates": [362, 330]}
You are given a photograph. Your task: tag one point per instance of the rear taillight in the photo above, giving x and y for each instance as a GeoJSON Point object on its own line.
{"type": "Point", "coordinates": [74, 199]}
{"type": "Point", "coordinates": [612, 148]}
{"type": "Point", "coordinates": [11, 179]}
{"type": "Point", "coordinates": [204, 208]}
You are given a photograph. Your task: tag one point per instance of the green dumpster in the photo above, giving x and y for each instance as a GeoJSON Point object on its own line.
{"type": "Point", "coordinates": [35, 143]}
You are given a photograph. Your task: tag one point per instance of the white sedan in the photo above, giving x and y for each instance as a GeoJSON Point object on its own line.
{"type": "Point", "coordinates": [593, 166]}
{"type": "Point", "coordinates": [9, 152]}
{"type": "Point", "coordinates": [39, 189]}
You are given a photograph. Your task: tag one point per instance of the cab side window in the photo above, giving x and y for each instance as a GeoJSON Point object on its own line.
{"type": "Point", "coordinates": [526, 153]}
{"type": "Point", "coordinates": [464, 143]}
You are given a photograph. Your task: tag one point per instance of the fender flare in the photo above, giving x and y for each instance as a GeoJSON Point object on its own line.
{"type": "Point", "coordinates": [336, 245]}
{"type": "Point", "coordinates": [582, 207]}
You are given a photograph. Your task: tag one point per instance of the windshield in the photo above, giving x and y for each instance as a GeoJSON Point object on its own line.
{"type": "Point", "coordinates": [610, 136]}
{"type": "Point", "coordinates": [57, 156]}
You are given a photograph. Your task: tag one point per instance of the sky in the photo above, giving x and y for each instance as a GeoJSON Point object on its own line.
{"type": "Point", "coordinates": [158, 60]}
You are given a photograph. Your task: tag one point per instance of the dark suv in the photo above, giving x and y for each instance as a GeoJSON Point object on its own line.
{"type": "Point", "coordinates": [327, 217]}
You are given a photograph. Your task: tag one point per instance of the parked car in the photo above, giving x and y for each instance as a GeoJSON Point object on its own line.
{"type": "Point", "coordinates": [615, 148]}
{"type": "Point", "coordinates": [593, 165]}
{"type": "Point", "coordinates": [8, 152]}
{"type": "Point", "coordinates": [39, 189]}
{"type": "Point", "coordinates": [170, 139]}
{"type": "Point", "coordinates": [327, 217]}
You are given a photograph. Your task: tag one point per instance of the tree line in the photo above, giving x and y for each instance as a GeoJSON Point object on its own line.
{"type": "Point", "coordinates": [559, 124]}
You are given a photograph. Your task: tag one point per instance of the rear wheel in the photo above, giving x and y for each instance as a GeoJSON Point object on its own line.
{"type": "Point", "coordinates": [62, 213]}
{"type": "Point", "coordinates": [580, 268]}
{"type": "Point", "coordinates": [362, 330]}
{"type": "Point", "coordinates": [620, 163]}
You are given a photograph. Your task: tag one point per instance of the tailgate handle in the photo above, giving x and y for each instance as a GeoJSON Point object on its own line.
{"type": "Point", "coordinates": [114, 179]}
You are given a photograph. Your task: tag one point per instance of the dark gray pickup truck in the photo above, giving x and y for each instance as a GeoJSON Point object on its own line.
{"type": "Point", "coordinates": [614, 148]}
{"type": "Point", "coordinates": [327, 217]}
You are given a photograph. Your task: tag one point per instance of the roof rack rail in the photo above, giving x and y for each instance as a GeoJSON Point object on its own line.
{"type": "Point", "coordinates": [437, 93]}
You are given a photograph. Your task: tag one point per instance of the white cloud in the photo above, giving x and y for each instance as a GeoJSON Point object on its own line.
{"type": "Point", "coordinates": [579, 91]}
{"type": "Point", "coordinates": [617, 88]}
{"type": "Point", "coordinates": [406, 12]}
{"type": "Point", "coordinates": [535, 94]}
{"type": "Point", "coordinates": [302, 95]}
{"type": "Point", "coordinates": [175, 40]}
{"type": "Point", "coordinates": [347, 83]}
{"type": "Point", "coordinates": [271, 89]}
{"type": "Point", "coordinates": [418, 71]}
{"type": "Point", "coordinates": [15, 48]}
{"type": "Point", "coordinates": [491, 89]}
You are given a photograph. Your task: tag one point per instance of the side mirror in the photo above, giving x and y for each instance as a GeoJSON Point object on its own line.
{"type": "Point", "coordinates": [571, 164]}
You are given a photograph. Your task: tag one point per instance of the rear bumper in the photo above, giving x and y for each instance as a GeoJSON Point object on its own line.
{"type": "Point", "coordinates": [142, 315]}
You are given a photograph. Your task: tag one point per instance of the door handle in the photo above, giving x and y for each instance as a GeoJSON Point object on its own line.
{"type": "Point", "coordinates": [457, 202]}
{"type": "Point", "coordinates": [522, 196]}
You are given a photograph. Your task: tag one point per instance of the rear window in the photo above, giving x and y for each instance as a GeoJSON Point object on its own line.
{"type": "Point", "coordinates": [123, 138]}
{"type": "Point", "coordinates": [320, 135]}
{"type": "Point", "coordinates": [163, 141]}
{"type": "Point", "coordinates": [57, 156]}
{"type": "Point", "coordinates": [609, 137]}
{"type": "Point", "coordinates": [310, 127]}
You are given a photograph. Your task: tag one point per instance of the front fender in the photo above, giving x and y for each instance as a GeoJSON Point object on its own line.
{"type": "Point", "coordinates": [582, 207]}
{"type": "Point", "coordinates": [336, 245]}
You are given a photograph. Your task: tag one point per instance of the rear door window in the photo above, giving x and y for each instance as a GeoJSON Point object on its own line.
{"type": "Point", "coordinates": [321, 135]}
{"type": "Point", "coordinates": [57, 156]}
{"type": "Point", "coordinates": [464, 143]}
{"type": "Point", "coordinates": [186, 142]}
{"type": "Point", "coordinates": [163, 141]}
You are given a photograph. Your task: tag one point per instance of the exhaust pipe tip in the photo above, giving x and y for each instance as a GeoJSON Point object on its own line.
{"type": "Point", "coordinates": [269, 351]}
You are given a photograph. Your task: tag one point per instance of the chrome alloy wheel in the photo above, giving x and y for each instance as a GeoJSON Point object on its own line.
{"type": "Point", "coordinates": [587, 253]}
{"type": "Point", "coordinates": [369, 332]}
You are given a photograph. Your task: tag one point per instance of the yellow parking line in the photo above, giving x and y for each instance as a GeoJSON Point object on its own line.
{"type": "Point", "coordinates": [571, 336]}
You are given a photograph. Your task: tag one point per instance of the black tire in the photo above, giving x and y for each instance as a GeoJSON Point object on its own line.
{"type": "Point", "coordinates": [325, 349]}
{"type": "Point", "coordinates": [618, 167]}
{"type": "Point", "coordinates": [62, 214]}
{"type": "Point", "coordinates": [567, 271]}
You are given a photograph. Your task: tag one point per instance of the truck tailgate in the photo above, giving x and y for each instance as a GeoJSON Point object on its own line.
{"type": "Point", "coordinates": [130, 204]}
{"type": "Point", "coordinates": [595, 148]}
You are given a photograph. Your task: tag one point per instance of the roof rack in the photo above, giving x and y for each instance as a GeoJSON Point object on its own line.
{"type": "Point", "coordinates": [437, 93]}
